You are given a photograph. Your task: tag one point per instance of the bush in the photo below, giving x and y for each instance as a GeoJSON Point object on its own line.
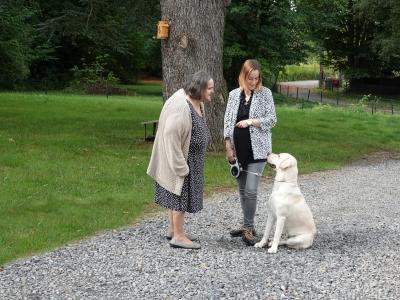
{"type": "Point", "coordinates": [361, 105]}
{"type": "Point", "coordinates": [16, 36]}
{"type": "Point", "coordinates": [94, 78]}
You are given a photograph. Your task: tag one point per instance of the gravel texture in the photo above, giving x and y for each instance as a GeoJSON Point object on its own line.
{"type": "Point", "coordinates": [355, 254]}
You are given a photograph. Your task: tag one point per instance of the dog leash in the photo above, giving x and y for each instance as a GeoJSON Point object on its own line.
{"type": "Point", "coordinates": [254, 173]}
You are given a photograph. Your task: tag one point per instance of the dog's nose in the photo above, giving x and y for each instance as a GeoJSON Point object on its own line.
{"type": "Point", "coordinates": [272, 166]}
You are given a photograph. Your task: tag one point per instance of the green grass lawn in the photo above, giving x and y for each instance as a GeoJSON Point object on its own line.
{"type": "Point", "coordinates": [72, 165]}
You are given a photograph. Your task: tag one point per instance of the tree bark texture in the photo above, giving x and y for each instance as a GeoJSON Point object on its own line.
{"type": "Point", "coordinates": [195, 42]}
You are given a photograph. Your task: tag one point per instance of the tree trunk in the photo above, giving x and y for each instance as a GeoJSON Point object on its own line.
{"type": "Point", "coordinates": [195, 42]}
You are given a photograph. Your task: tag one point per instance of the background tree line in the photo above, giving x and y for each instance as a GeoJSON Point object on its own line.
{"type": "Point", "coordinates": [52, 44]}
{"type": "Point", "coordinates": [42, 41]}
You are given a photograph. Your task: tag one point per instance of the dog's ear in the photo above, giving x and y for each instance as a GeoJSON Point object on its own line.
{"type": "Point", "coordinates": [286, 163]}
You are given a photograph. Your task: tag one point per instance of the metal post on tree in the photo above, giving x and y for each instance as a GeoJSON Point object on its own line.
{"type": "Point", "coordinates": [337, 97]}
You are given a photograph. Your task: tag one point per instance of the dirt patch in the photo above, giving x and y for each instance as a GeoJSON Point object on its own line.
{"type": "Point", "coordinates": [376, 158]}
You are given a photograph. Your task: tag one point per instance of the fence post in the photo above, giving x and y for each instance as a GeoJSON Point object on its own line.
{"type": "Point", "coordinates": [391, 103]}
{"type": "Point", "coordinates": [372, 107]}
{"type": "Point", "coordinates": [297, 93]}
{"type": "Point", "coordinates": [287, 94]}
{"type": "Point", "coordinates": [308, 96]}
{"type": "Point", "coordinates": [107, 88]}
{"type": "Point", "coordinates": [302, 103]}
{"type": "Point", "coordinates": [337, 97]}
{"type": "Point", "coordinates": [280, 89]}
{"type": "Point", "coordinates": [321, 97]}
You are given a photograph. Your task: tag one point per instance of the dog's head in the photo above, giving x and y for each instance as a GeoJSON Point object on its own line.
{"type": "Point", "coordinates": [285, 166]}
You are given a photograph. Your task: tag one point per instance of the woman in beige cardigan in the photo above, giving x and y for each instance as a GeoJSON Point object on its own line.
{"type": "Point", "coordinates": [177, 159]}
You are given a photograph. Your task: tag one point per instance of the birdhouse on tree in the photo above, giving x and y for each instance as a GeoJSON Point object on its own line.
{"type": "Point", "coordinates": [162, 30]}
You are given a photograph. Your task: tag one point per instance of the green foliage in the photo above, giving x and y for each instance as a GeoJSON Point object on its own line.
{"type": "Point", "coordinates": [358, 37]}
{"type": "Point", "coordinates": [94, 28]}
{"type": "Point", "coordinates": [366, 100]}
{"type": "Point", "coordinates": [386, 17]}
{"type": "Point", "coordinates": [46, 39]}
{"type": "Point", "coordinates": [93, 74]}
{"type": "Point", "coordinates": [307, 71]}
{"type": "Point", "coordinates": [15, 44]}
{"type": "Point", "coordinates": [270, 31]}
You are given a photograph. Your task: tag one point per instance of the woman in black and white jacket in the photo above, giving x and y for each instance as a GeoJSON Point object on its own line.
{"type": "Point", "coordinates": [249, 117]}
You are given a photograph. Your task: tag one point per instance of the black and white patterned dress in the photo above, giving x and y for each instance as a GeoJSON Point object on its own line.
{"type": "Point", "coordinates": [191, 198]}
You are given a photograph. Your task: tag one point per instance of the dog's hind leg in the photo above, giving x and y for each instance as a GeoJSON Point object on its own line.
{"type": "Point", "coordinates": [268, 227]}
{"type": "Point", "coordinates": [280, 223]}
{"type": "Point", "coordinates": [301, 241]}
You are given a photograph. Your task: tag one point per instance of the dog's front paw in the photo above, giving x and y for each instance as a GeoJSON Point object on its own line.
{"type": "Point", "coordinates": [260, 244]}
{"type": "Point", "coordinates": [272, 250]}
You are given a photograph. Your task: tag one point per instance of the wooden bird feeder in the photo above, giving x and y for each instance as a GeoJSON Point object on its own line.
{"type": "Point", "coordinates": [162, 30]}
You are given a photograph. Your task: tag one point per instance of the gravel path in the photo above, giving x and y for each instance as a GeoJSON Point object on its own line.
{"type": "Point", "coordinates": [355, 254]}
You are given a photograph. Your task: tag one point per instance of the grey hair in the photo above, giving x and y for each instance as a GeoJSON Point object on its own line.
{"type": "Point", "coordinates": [197, 83]}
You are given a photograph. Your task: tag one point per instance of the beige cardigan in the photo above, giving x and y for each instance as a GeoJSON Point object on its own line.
{"type": "Point", "coordinates": [168, 163]}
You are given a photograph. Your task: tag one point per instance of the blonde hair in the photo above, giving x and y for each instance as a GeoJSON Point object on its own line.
{"type": "Point", "coordinates": [249, 66]}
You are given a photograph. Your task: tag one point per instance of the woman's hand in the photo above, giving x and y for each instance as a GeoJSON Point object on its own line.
{"type": "Point", "coordinates": [244, 123]}
{"type": "Point", "coordinates": [230, 154]}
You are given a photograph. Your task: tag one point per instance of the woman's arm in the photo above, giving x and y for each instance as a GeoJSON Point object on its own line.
{"type": "Point", "coordinates": [268, 120]}
{"type": "Point", "coordinates": [228, 129]}
{"type": "Point", "coordinates": [230, 154]}
{"type": "Point", "coordinates": [175, 132]}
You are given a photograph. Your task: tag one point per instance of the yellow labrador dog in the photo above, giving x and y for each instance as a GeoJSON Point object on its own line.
{"type": "Point", "coordinates": [287, 208]}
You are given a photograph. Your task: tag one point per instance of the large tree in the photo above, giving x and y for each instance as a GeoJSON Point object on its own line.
{"type": "Point", "coordinates": [16, 36]}
{"type": "Point", "coordinates": [358, 37]}
{"type": "Point", "coordinates": [271, 31]}
{"type": "Point", "coordinates": [385, 14]}
{"type": "Point", "coordinates": [196, 43]}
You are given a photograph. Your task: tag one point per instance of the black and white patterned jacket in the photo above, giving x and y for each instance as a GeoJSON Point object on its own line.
{"type": "Point", "coordinates": [262, 108]}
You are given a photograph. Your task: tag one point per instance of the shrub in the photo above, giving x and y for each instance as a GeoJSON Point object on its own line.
{"type": "Point", "coordinates": [94, 78]}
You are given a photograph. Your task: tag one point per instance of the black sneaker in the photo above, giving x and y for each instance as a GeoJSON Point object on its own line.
{"type": "Point", "coordinates": [239, 232]}
{"type": "Point", "coordinates": [248, 237]}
